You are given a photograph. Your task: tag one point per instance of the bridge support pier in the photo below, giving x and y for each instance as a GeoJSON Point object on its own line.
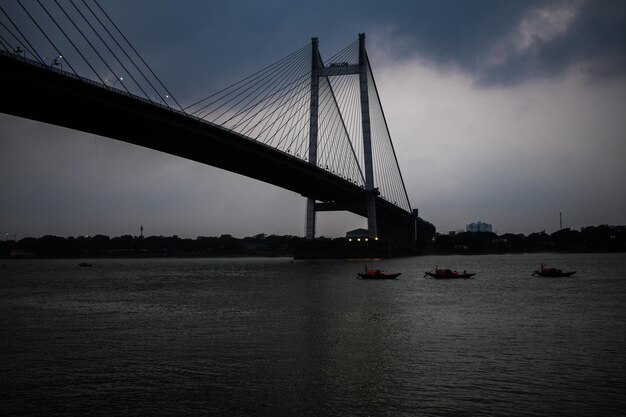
{"type": "Point", "coordinates": [316, 63]}
{"type": "Point", "coordinates": [310, 218]}
{"type": "Point", "coordinates": [372, 226]}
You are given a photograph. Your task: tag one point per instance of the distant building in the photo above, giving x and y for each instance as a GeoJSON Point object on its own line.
{"type": "Point", "coordinates": [478, 227]}
{"type": "Point", "coordinates": [357, 234]}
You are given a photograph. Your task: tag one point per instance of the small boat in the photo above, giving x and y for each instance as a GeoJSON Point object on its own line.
{"type": "Point", "coordinates": [441, 273]}
{"type": "Point", "coordinates": [552, 272]}
{"type": "Point", "coordinates": [84, 264]}
{"type": "Point", "coordinates": [376, 274]}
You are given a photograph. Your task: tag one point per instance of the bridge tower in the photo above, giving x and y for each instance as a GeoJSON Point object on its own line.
{"type": "Point", "coordinates": [316, 64]}
{"type": "Point", "coordinates": [318, 70]}
{"type": "Point", "coordinates": [367, 140]}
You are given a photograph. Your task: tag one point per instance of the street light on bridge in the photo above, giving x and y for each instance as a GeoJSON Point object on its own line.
{"type": "Point", "coordinates": [162, 100]}
{"type": "Point", "coordinates": [54, 62]}
{"type": "Point", "coordinates": [115, 82]}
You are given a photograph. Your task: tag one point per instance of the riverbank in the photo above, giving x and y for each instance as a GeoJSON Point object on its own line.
{"type": "Point", "coordinates": [593, 239]}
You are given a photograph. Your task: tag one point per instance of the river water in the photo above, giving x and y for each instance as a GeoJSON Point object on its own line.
{"type": "Point", "coordinates": [266, 337]}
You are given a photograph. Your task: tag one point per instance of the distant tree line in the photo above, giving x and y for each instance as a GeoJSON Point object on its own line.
{"type": "Point", "coordinates": [602, 238]}
{"type": "Point", "coordinates": [152, 246]}
{"type": "Point", "coordinates": [589, 239]}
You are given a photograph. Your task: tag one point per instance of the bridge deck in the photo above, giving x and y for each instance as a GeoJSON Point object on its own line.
{"type": "Point", "coordinates": [45, 94]}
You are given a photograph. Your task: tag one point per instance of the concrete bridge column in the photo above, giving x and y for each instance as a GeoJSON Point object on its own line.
{"type": "Point", "coordinates": [367, 141]}
{"type": "Point", "coordinates": [313, 127]}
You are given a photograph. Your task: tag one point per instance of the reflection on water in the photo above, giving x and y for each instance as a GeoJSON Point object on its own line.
{"type": "Point", "coordinates": [276, 337]}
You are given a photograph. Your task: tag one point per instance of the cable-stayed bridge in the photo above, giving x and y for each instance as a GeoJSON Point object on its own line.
{"type": "Point", "coordinates": [311, 126]}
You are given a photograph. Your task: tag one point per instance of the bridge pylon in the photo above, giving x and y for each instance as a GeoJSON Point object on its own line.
{"type": "Point", "coordinates": [318, 70]}
{"type": "Point", "coordinates": [316, 64]}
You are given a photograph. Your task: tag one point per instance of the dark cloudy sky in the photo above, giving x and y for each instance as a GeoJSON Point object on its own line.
{"type": "Point", "coordinates": [502, 111]}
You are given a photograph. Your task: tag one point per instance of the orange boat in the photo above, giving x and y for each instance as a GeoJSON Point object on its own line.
{"type": "Point", "coordinates": [376, 274]}
{"type": "Point", "coordinates": [552, 272]}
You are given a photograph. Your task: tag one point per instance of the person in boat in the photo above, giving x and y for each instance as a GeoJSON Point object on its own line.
{"type": "Point", "coordinates": [371, 272]}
